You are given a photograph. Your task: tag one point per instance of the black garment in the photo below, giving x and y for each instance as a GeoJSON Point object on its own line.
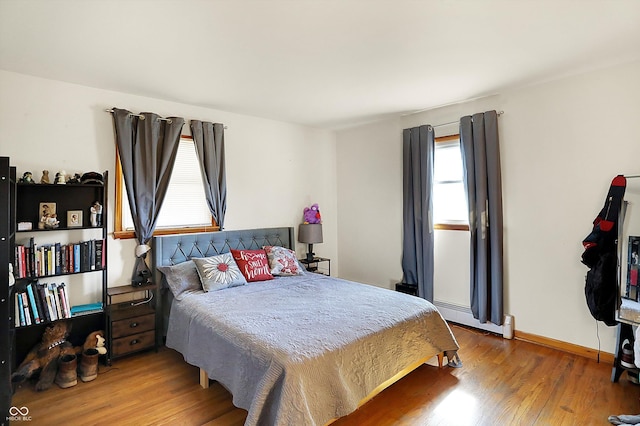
{"type": "Point", "coordinates": [600, 256]}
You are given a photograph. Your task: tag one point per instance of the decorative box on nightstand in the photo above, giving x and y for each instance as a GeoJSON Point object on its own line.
{"type": "Point", "coordinates": [317, 265]}
{"type": "Point", "coordinates": [131, 324]}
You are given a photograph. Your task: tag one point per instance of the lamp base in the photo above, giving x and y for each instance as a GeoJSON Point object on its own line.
{"type": "Point", "coordinates": [310, 254]}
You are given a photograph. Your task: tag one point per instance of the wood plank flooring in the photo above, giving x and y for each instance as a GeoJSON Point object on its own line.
{"type": "Point", "coordinates": [502, 382]}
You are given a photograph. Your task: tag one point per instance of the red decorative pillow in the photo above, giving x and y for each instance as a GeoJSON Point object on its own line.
{"type": "Point", "coordinates": [253, 264]}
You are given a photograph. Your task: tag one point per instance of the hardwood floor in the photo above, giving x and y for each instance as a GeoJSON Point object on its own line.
{"type": "Point", "coordinates": [502, 382]}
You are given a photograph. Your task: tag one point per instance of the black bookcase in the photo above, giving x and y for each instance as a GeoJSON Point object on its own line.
{"type": "Point", "coordinates": [7, 240]}
{"type": "Point", "coordinates": [25, 207]}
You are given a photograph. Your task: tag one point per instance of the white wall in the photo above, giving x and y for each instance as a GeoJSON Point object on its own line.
{"type": "Point", "coordinates": [370, 187]}
{"type": "Point", "coordinates": [274, 169]}
{"type": "Point", "coordinates": [561, 144]}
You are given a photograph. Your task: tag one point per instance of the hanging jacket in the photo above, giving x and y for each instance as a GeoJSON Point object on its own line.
{"type": "Point", "coordinates": [600, 255]}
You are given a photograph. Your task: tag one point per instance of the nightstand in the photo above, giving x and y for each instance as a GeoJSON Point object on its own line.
{"type": "Point", "coordinates": [131, 324]}
{"type": "Point", "coordinates": [317, 265]}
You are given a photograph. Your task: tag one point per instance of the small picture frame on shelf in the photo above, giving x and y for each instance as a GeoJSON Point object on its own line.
{"type": "Point", "coordinates": [48, 216]}
{"type": "Point", "coordinates": [74, 218]}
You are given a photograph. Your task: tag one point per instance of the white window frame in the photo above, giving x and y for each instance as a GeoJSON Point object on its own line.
{"type": "Point", "coordinates": [452, 225]}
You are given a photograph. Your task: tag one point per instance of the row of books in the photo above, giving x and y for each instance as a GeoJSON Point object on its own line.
{"type": "Point", "coordinates": [58, 259]}
{"type": "Point", "coordinates": [41, 303]}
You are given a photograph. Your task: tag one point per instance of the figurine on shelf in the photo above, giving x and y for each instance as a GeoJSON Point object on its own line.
{"type": "Point", "coordinates": [27, 177]}
{"type": "Point", "coordinates": [74, 180]}
{"type": "Point", "coordinates": [45, 177]}
{"type": "Point", "coordinates": [61, 178]}
{"type": "Point", "coordinates": [96, 214]}
{"type": "Point", "coordinates": [48, 219]}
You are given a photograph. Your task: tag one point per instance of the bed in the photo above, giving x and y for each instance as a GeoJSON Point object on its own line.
{"type": "Point", "coordinates": [303, 349]}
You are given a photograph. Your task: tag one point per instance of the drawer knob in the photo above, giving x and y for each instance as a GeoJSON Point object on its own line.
{"type": "Point", "coordinates": [133, 324]}
{"type": "Point", "coordinates": [134, 342]}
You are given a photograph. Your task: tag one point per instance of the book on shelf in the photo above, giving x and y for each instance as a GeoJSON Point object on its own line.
{"type": "Point", "coordinates": [41, 293]}
{"type": "Point", "coordinates": [53, 294]}
{"type": "Point", "coordinates": [20, 309]}
{"type": "Point", "coordinates": [32, 257]}
{"type": "Point", "coordinates": [40, 303]}
{"type": "Point", "coordinates": [32, 304]}
{"type": "Point", "coordinates": [46, 300]}
{"type": "Point", "coordinates": [99, 257]}
{"type": "Point", "coordinates": [58, 258]}
{"type": "Point", "coordinates": [64, 299]}
{"type": "Point", "coordinates": [76, 258]}
{"type": "Point", "coordinates": [25, 308]}
{"type": "Point", "coordinates": [89, 308]}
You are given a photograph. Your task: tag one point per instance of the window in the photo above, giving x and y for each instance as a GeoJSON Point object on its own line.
{"type": "Point", "coordinates": [185, 206]}
{"type": "Point", "coordinates": [449, 199]}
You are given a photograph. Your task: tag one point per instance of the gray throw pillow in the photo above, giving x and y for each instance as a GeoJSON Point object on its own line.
{"type": "Point", "coordinates": [181, 278]}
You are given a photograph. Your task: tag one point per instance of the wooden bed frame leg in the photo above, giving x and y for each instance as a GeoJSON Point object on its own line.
{"type": "Point", "coordinates": [440, 359]}
{"type": "Point", "coordinates": [204, 379]}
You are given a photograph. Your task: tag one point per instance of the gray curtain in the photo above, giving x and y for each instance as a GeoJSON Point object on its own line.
{"type": "Point", "coordinates": [209, 141]}
{"type": "Point", "coordinates": [417, 250]}
{"type": "Point", "coordinates": [147, 146]}
{"type": "Point", "coordinates": [481, 160]}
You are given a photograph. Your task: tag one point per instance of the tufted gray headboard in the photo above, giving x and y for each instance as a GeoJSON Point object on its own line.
{"type": "Point", "coordinates": [173, 249]}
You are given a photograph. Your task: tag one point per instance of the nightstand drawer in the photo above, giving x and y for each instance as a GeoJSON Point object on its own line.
{"type": "Point", "coordinates": [133, 325]}
{"type": "Point", "coordinates": [133, 343]}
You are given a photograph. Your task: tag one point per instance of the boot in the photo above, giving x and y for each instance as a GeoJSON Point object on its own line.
{"type": "Point", "coordinates": [89, 365]}
{"type": "Point", "coordinates": [67, 376]}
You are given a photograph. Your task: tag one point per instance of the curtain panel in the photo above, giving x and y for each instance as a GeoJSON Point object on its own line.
{"type": "Point", "coordinates": [417, 246]}
{"type": "Point", "coordinates": [481, 160]}
{"type": "Point", "coordinates": [209, 141]}
{"type": "Point", "coordinates": [147, 145]}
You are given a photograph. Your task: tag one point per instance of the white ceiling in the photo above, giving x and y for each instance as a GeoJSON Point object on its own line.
{"type": "Point", "coordinates": [330, 63]}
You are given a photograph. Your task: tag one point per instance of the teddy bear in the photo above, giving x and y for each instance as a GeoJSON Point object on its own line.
{"type": "Point", "coordinates": [312, 214]}
{"type": "Point", "coordinates": [43, 357]}
{"type": "Point", "coordinates": [45, 177]}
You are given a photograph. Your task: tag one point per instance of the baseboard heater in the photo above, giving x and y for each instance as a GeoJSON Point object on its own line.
{"type": "Point", "coordinates": [462, 315]}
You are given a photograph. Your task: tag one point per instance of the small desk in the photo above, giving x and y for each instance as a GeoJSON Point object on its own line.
{"type": "Point", "coordinates": [314, 265]}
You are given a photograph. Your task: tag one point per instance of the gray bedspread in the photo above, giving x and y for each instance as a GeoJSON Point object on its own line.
{"type": "Point", "coordinates": [304, 350]}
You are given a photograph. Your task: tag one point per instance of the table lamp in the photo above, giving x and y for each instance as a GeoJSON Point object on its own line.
{"type": "Point", "coordinates": [310, 233]}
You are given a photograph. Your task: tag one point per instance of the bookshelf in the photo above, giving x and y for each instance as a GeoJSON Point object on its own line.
{"type": "Point", "coordinates": [7, 238]}
{"type": "Point", "coordinates": [56, 261]}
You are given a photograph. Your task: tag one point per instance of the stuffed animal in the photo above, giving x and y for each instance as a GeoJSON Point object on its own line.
{"type": "Point", "coordinates": [95, 340]}
{"type": "Point", "coordinates": [43, 357]}
{"type": "Point", "coordinates": [45, 177]}
{"type": "Point", "coordinates": [312, 214]}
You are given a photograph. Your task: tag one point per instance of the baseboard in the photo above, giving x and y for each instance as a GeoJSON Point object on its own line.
{"type": "Point", "coordinates": [462, 315]}
{"type": "Point", "coordinates": [564, 346]}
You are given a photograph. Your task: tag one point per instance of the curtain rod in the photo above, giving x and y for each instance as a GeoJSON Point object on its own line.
{"type": "Point", "coordinates": [168, 120]}
{"type": "Point", "coordinates": [456, 122]}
